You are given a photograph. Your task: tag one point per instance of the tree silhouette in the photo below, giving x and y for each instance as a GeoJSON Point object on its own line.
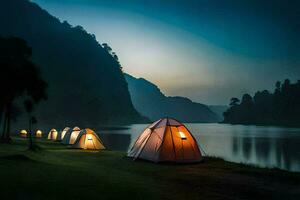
{"type": "Point", "coordinates": [19, 78]}
{"type": "Point", "coordinates": [107, 47]}
{"type": "Point", "coordinates": [29, 106]}
{"type": "Point", "coordinates": [234, 101]}
{"type": "Point", "coordinates": [280, 108]}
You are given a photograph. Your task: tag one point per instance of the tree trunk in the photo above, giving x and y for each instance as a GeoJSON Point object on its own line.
{"type": "Point", "coordinates": [1, 117]}
{"type": "Point", "coordinates": [30, 134]}
{"type": "Point", "coordinates": [4, 124]}
{"type": "Point", "coordinates": [8, 119]}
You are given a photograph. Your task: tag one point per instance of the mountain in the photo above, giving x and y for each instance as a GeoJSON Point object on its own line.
{"type": "Point", "coordinates": [219, 110]}
{"type": "Point", "coordinates": [86, 83]}
{"type": "Point", "coordinates": [152, 103]}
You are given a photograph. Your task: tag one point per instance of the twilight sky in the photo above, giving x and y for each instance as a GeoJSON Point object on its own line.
{"type": "Point", "coordinates": [207, 50]}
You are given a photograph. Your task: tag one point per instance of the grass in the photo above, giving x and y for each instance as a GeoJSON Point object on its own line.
{"type": "Point", "coordinates": [56, 172]}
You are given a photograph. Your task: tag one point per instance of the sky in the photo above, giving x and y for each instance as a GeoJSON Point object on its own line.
{"type": "Point", "coordinates": [206, 50]}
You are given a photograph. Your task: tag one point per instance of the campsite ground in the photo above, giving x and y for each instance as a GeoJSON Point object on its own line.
{"type": "Point", "coordinates": [56, 172]}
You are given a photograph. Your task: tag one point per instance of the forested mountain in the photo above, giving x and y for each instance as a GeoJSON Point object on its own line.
{"type": "Point", "coordinates": [282, 107]}
{"type": "Point", "coordinates": [152, 103]}
{"type": "Point", "coordinates": [86, 83]}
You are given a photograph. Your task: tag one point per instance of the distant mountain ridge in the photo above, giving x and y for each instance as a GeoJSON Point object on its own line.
{"type": "Point", "coordinates": [152, 103]}
{"type": "Point", "coordinates": [86, 84]}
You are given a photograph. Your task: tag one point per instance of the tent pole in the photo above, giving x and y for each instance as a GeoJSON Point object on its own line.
{"type": "Point", "coordinates": [173, 142]}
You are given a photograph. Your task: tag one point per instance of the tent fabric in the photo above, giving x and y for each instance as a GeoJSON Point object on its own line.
{"type": "Point", "coordinates": [53, 135]}
{"type": "Point", "coordinates": [88, 139]}
{"type": "Point", "coordinates": [38, 134]}
{"type": "Point", "coordinates": [166, 140]}
{"type": "Point", "coordinates": [23, 133]}
{"type": "Point", "coordinates": [71, 135]}
{"type": "Point", "coordinates": [63, 133]}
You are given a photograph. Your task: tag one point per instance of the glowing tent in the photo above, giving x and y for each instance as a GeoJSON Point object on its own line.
{"type": "Point", "coordinates": [71, 135]}
{"type": "Point", "coordinates": [88, 139]}
{"type": "Point", "coordinates": [63, 133]}
{"type": "Point", "coordinates": [23, 133]}
{"type": "Point", "coordinates": [38, 134]}
{"type": "Point", "coordinates": [166, 140]}
{"type": "Point", "coordinates": [53, 135]}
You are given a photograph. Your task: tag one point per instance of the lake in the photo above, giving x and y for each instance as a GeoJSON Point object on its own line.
{"type": "Point", "coordinates": [264, 146]}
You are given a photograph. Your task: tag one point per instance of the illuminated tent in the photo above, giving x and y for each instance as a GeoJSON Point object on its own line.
{"type": "Point", "coordinates": [166, 140]}
{"type": "Point", "coordinates": [23, 133]}
{"type": "Point", "coordinates": [53, 135]}
{"type": "Point", "coordinates": [63, 133]}
{"type": "Point", "coordinates": [71, 135]}
{"type": "Point", "coordinates": [88, 139]}
{"type": "Point", "coordinates": [38, 134]}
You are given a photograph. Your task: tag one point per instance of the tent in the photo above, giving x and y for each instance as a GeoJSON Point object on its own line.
{"type": "Point", "coordinates": [88, 139]}
{"type": "Point", "coordinates": [38, 134]}
{"type": "Point", "coordinates": [63, 133]}
{"type": "Point", "coordinates": [71, 135]}
{"type": "Point", "coordinates": [23, 133]}
{"type": "Point", "coordinates": [166, 140]}
{"type": "Point", "coordinates": [53, 135]}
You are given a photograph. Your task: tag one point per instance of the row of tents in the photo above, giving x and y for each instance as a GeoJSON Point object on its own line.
{"type": "Point", "coordinates": [76, 137]}
{"type": "Point", "coordinates": [38, 133]}
{"type": "Point", "coordinates": [166, 140]}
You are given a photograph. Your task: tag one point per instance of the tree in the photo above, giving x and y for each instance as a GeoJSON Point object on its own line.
{"type": "Point", "coordinates": [107, 48]}
{"type": "Point", "coordinates": [29, 106]}
{"type": "Point", "coordinates": [280, 108]}
{"type": "Point", "coordinates": [278, 85]}
{"type": "Point", "coordinates": [234, 101]}
{"type": "Point", "coordinates": [247, 99]}
{"type": "Point", "coordinates": [19, 78]}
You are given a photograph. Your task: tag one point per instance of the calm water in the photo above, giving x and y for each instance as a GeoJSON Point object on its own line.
{"type": "Point", "coordinates": [258, 145]}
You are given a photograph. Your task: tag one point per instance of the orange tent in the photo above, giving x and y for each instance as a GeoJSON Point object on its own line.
{"type": "Point", "coordinates": [23, 133]}
{"type": "Point", "coordinates": [53, 135]}
{"type": "Point", "coordinates": [38, 134]}
{"type": "Point", "coordinates": [88, 139]}
{"type": "Point", "coordinates": [63, 133]}
{"type": "Point", "coordinates": [70, 135]}
{"type": "Point", "coordinates": [166, 140]}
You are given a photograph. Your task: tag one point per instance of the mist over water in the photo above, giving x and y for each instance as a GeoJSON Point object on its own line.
{"type": "Point", "coordinates": [263, 146]}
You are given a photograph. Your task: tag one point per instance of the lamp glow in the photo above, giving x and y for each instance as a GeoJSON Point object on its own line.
{"type": "Point", "coordinates": [182, 135]}
{"type": "Point", "coordinates": [89, 137]}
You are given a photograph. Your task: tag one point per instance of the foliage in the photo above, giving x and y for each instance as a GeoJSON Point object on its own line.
{"type": "Point", "coordinates": [19, 78]}
{"type": "Point", "coordinates": [282, 107]}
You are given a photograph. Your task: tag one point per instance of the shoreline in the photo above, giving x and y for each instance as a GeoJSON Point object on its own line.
{"type": "Point", "coordinates": [58, 172]}
{"type": "Point", "coordinates": [262, 124]}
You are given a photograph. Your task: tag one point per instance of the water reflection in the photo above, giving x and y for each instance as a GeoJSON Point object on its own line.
{"type": "Point", "coordinates": [262, 146]}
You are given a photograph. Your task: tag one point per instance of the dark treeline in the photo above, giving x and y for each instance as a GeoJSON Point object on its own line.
{"type": "Point", "coordinates": [282, 107]}
{"type": "Point", "coordinates": [20, 79]}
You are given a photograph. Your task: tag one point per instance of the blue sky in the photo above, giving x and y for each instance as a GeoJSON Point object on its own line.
{"type": "Point", "coordinates": [206, 50]}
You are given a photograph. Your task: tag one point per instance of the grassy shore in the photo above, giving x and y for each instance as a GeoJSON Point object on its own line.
{"type": "Point", "coordinates": [56, 172]}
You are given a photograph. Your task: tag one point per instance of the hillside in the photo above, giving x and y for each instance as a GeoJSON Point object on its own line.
{"type": "Point", "coordinates": [86, 84]}
{"type": "Point", "coordinates": [152, 103]}
{"type": "Point", "coordinates": [219, 110]}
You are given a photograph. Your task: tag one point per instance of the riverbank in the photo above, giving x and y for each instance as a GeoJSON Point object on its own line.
{"type": "Point", "coordinates": [56, 172]}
